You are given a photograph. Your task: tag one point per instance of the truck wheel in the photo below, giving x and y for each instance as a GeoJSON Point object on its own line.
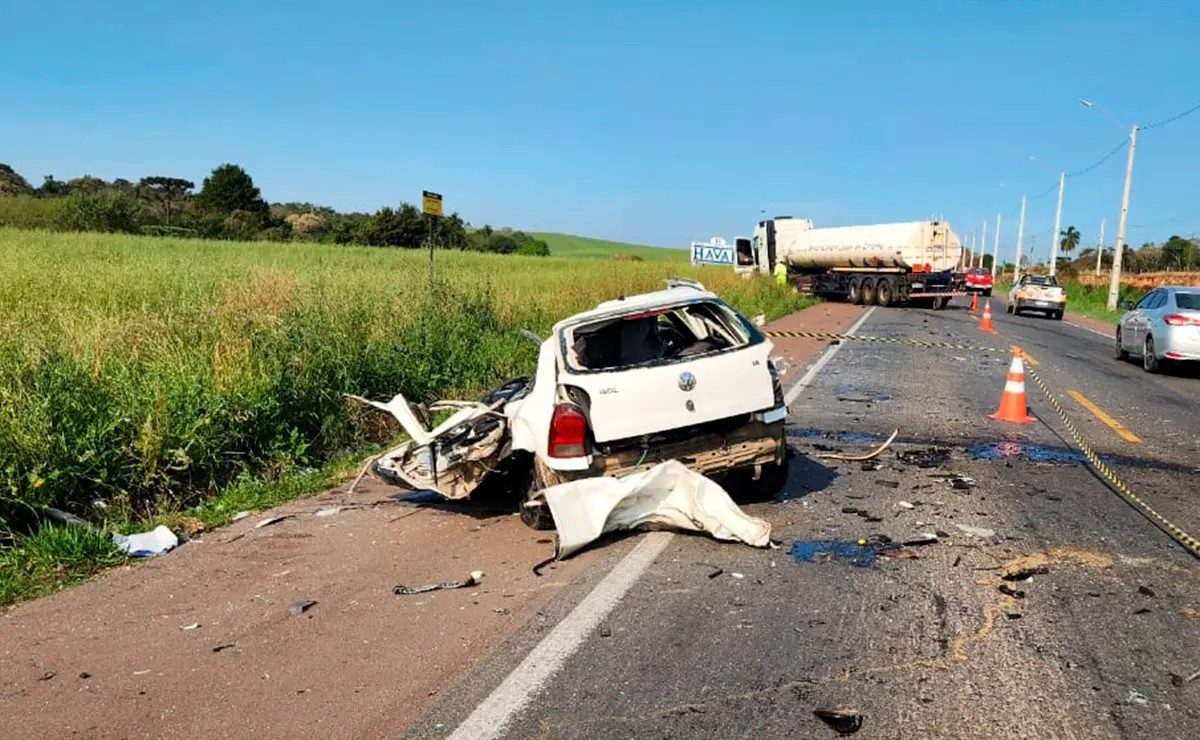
{"type": "Point", "coordinates": [867, 291]}
{"type": "Point", "coordinates": [941, 303]}
{"type": "Point", "coordinates": [854, 292]}
{"type": "Point", "coordinates": [883, 293]}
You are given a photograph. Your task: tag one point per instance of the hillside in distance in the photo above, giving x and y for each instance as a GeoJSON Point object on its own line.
{"type": "Point", "coordinates": [567, 245]}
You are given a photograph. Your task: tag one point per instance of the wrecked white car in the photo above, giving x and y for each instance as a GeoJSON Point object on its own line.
{"type": "Point", "coordinates": [673, 375]}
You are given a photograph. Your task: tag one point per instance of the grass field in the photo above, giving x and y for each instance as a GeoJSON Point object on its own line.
{"type": "Point", "coordinates": [152, 374]}
{"type": "Point", "coordinates": [565, 245]}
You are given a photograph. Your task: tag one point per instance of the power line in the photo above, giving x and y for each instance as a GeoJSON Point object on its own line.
{"type": "Point", "coordinates": [1173, 118]}
{"type": "Point", "coordinates": [1102, 160]}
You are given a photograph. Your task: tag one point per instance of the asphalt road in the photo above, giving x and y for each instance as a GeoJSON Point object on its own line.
{"type": "Point", "coordinates": [689, 637]}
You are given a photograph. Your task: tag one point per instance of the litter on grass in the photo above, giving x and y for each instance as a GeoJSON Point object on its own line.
{"type": "Point", "coordinates": [147, 544]}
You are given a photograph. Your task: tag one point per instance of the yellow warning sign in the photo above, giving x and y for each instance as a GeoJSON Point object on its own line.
{"type": "Point", "coordinates": [431, 203]}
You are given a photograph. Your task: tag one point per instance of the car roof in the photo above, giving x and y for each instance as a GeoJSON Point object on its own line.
{"type": "Point", "coordinates": [643, 302]}
{"type": "Point", "coordinates": [1183, 288]}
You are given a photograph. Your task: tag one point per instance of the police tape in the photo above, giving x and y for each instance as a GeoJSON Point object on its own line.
{"type": "Point", "coordinates": [781, 334]}
{"type": "Point", "coordinates": [1179, 535]}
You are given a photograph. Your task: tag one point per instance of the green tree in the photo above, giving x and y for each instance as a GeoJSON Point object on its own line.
{"type": "Point", "coordinates": [230, 189]}
{"type": "Point", "coordinates": [86, 184]}
{"type": "Point", "coordinates": [1070, 240]}
{"type": "Point", "coordinates": [165, 194]}
{"type": "Point", "coordinates": [106, 210]}
{"type": "Point", "coordinates": [11, 182]}
{"type": "Point", "coordinates": [52, 188]}
{"type": "Point", "coordinates": [1178, 254]}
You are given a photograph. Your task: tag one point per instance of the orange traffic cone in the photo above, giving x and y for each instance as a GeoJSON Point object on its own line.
{"type": "Point", "coordinates": [985, 324]}
{"type": "Point", "coordinates": [1013, 405]}
{"type": "Point", "coordinates": [974, 302]}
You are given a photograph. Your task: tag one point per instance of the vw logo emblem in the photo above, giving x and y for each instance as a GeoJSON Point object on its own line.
{"type": "Point", "coordinates": [687, 381]}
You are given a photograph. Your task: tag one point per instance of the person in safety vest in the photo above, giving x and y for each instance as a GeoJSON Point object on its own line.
{"type": "Point", "coordinates": [781, 273]}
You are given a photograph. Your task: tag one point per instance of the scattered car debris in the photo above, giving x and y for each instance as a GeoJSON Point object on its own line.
{"type": "Point", "coordinates": [84, 675]}
{"type": "Point", "coordinates": [64, 517]}
{"type": "Point", "coordinates": [190, 627]}
{"type": "Point", "coordinates": [472, 580]}
{"type": "Point", "coordinates": [905, 505]}
{"type": "Point", "coordinates": [871, 465]}
{"type": "Point", "coordinates": [239, 516]}
{"type": "Point", "coordinates": [1013, 615]}
{"type": "Point", "coordinates": [47, 675]}
{"type": "Point", "coordinates": [900, 553]}
{"type": "Point", "coordinates": [859, 458]}
{"type": "Point", "coordinates": [1189, 613]}
{"type": "Point", "coordinates": [667, 495]}
{"type": "Point", "coordinates": [737, 576]}
{"type": "Point", "coordinates": [716, 573]}
{"type": "Point", "coordinates": [843, 720]}
{"type": "Point", "coordinates": [1177, 680]}
{"type": "Point", "coordinates": [922, 538]}
{"type": "Point", "coordinates": [221, 648]}
{"type": "Point", "coordinates": [962, 482]}
{"type": "Point", "coordinates": [1024, 574]}
{"type": "Point", "coordinates": [887, 483]}
{"type": "Point", "coordinates": [272, 520]}
{"type": "Point", "coordinates": [1143, 610]}
{"type": "Point", "coordinates": [1136, 699]}
{"type": "Point", "coordinates": [147, 544]}
{"type": "Point", "coordinates": [302, 606]}
{"type": "Point", "coordinates": [329, 511]}
{"type": "Point", "coordinates": [1008, 590]}
{"type": "Point", "coordinates": [927, 458]}
{"type": "Point", "coordinates": [1146, 591]}
{"type": "Point", "coordinates": [980, 532]}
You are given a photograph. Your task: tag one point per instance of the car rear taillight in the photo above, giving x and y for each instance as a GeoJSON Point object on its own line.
{"type": "Point", "coordinates": [568, 432]}
{"type": "Point", "coordinates": [1181, 320]}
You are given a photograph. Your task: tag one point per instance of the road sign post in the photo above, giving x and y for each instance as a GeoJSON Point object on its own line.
{"type": "Point", "coordinates": [431, 206]}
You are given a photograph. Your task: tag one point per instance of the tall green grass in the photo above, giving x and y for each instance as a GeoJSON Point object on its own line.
{"type": "Point", "coordinates": [151, 373]}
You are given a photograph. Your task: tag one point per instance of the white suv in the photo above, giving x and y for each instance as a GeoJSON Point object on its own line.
{"type": "Point", "coordinates": [672, 375]}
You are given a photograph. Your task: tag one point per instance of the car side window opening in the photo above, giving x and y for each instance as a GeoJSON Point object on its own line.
{"type": "Point", "coordinates": [1147, 301]}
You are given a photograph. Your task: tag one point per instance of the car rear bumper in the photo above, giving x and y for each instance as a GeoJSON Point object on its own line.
{"type": "Point", "coordinates": [1180, 343]}
{"type": "Point", "coordinates": [1028, 305]}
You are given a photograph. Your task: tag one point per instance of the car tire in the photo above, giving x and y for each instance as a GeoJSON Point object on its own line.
{"type": "Point", "coordinates": [1150, 362]}
{"type": "Point", "coordinates": [1008, 308]}
{"type": "Point", "coordinates": [771, 482]}
{"type": "Point", "coordinates": [1016, 309]}
{"type": "Point", "coordinates": [1119, 351]}
{"type": "Point", "coordinates": [883, 293]}
{"type": "Point", "coordinates": [867, 291]}
{"type": "Point", "coordinates": [1057, 315]}
{"type": "Point", "coordinates": [987, 293]}
{"type": "Point", "coordinates": [539, 516]}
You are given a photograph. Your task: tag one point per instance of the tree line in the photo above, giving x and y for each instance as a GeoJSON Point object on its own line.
{"type": "Point", "coordinates": [228, 205]}
{"type": "Point", "coordinates": [1176, 254]}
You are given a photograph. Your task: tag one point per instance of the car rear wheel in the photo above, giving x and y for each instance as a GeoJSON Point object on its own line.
{"type": "Point", "coordinates": [535, 512]}
{"type": "Point", "coordinates": [1057, 315]}
{"type": "Point", "coordinates": [1119, 349]}
{"type": "Point", "coordinates": [1149, 361]}
{"type": "Point", "coordinates": [987, 293]}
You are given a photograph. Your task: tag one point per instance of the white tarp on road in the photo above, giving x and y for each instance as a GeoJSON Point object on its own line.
{"type": "Point", "coordinates": [668, 495]}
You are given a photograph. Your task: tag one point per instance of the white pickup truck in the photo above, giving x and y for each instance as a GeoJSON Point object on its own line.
{"type": "Point", "coordinates": [673, 375]}
{"type": "Point", "coordinates": [1037, 293]}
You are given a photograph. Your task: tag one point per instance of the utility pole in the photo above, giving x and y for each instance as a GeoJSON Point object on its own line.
{"type": "Point", "coordinates": [1020, 238]}
{"type": "Point", "coordinates": [1114, 283]}
{"type": "Point", "coordinates": [1100, 247]}
{"type": "Point", "coordinates": [996, 248]}
{"type": "Point", "coordinates": [1062, 180]}
{"type": "Point", "coordinates": [971, 257]}
{"type": "Point", "coordinates": [983, 243]}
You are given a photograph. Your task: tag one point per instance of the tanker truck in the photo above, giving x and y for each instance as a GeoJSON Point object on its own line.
{"type": "Point", "coordinates": [913, 262]}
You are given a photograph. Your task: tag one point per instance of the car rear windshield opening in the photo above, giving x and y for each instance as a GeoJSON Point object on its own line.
{"type": "Point", "coordinates": [1189, 301]}
{"type": "Point", "coordinates": [655, 336]}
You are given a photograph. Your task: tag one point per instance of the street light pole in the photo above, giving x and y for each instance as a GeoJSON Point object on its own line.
{"type": "Point", "coordinates": [1062, 180]}
{"type": "Point", "coordinates": [996, 247]}
{"type": "Point", "coordinates": [1100, 247]}
{"type": "Point", "coordinates": [1020, 238]}
{"type": "Point", "coordinates": [1114, 283]}
{"type": "Point", "coordinates": [983, 244]}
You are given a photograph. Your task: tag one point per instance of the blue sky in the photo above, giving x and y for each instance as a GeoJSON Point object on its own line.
{"type": "Point", "coordinates": [652, 122]}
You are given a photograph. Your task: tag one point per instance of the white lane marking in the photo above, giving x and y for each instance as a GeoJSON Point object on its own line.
{"type": "Point", "coordinates": [823, 360]}
{"type": "Point", "coordinates": [1088, 328]}
{"type": "Point", "coordinates": [521, 686]}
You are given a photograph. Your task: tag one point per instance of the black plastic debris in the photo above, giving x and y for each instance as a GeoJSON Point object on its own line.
{"type": "Point", "coordinates": [927, 458]}
{"type": "Point", "coordinates": [226, 646]}
{"type": "Point", "coordinates": [869, 465]}
{"type": "Point", "coordinates": [887, 483]}
{"type": "Point", "coordinates": [1143, 610]}
{"type": "Point", "coordinates": [1146, 591]}
{"type": "Point", "coordinates": [849, 510]}
{"type": "Point", "coordinates": [471, 580]}
{"type": "Point", "coordinates": [924, 538]}
{"type": "Point", "coordinates": [302, 606]}
{"type": "Point", "coordinates": [1024, 574]}
{"type": "Point", "coordinates": [47, 675]}
{"type": "Point", "coordinates": [843, 720]}
{"type": "Point", "coordinates": [1008, 590]}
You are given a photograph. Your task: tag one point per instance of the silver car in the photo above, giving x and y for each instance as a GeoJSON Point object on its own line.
{"type": "Point", "coordinates": [1163, 327]}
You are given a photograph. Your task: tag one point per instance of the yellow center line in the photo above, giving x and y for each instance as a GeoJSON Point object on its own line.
{"type": "Point", "coordinates": [1028, 358]}
{"type": "Point", "coordinates": [1112, 423]}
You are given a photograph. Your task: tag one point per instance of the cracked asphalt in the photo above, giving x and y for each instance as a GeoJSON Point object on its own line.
{"type": "Point", "coordinates": [718, 640]}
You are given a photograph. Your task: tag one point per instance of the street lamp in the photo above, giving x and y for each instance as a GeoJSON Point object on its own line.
{"type": "Point", "coordinates": [1114, 282]}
